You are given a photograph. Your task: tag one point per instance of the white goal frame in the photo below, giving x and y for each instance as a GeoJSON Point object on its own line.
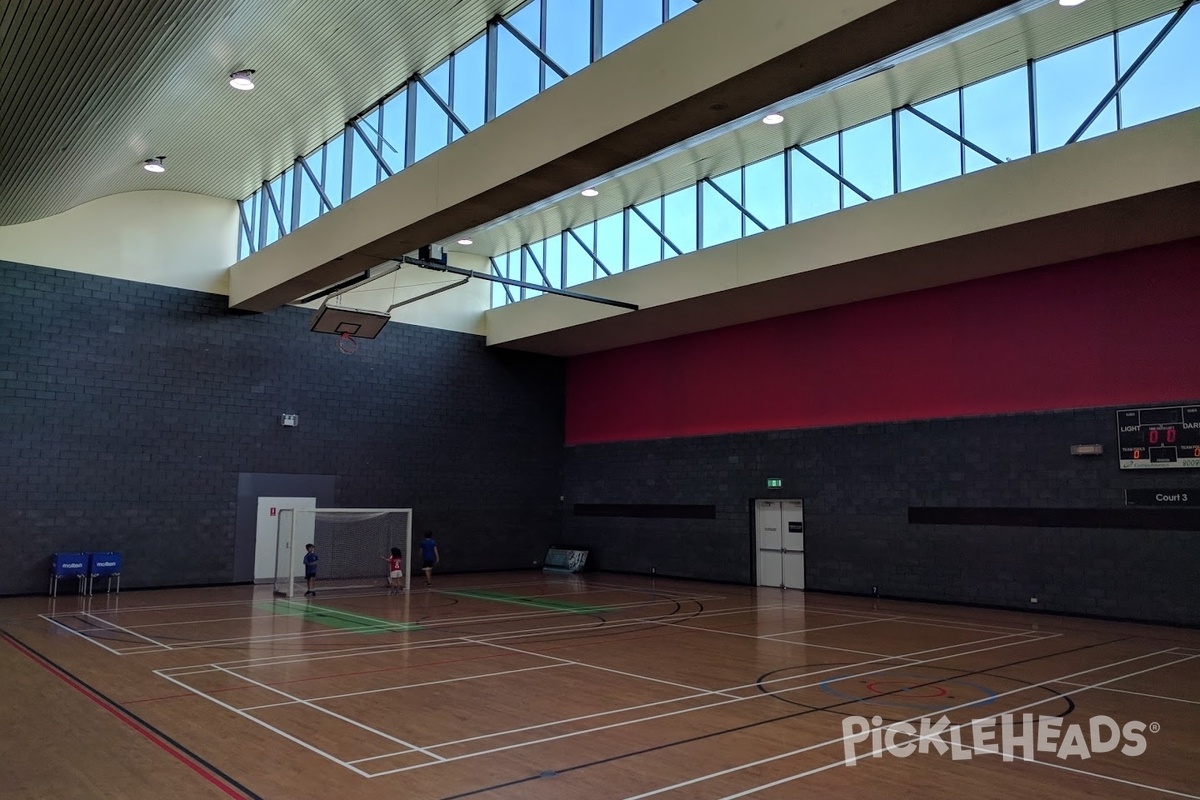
{"type": "Point", "coordinates": [285, 540]}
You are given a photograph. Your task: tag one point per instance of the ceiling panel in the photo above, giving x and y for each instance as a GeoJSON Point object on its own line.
{"type": "Point", "coordinates": [91, 88]}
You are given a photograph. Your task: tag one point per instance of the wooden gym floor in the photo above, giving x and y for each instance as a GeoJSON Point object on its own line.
{"type": "Point", "coordinates": [524, 686]}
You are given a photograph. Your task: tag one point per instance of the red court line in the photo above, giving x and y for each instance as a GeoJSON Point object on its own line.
{"type": "Point", "coordinates": [155, 738]}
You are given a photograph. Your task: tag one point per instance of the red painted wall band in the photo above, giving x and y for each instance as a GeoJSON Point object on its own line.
{"type": "Point", "coordinates": [1109, 330]}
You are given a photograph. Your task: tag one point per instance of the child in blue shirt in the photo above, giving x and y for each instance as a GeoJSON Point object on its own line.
{"type": "Point", "coordinates": [310, 568]}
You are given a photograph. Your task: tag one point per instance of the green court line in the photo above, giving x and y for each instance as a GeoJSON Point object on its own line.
{"type": "Point", "coordinates": [534, 602]}
{"type": "Point", "coordinates": [335, 618]}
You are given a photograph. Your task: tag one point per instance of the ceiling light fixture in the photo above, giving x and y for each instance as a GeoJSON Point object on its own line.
{"type": "Point", "coordinates": [465, 241]}
{"type": "Point", "coordinates": [242, 80]}
{"type": "Point", "coordinates": [1071, 2]}
{"type": "Point", "coordinates": [154, 165]}
{"type": "Point", "coordinates": [590, 192]}
{"type": "Point", "coordinates": [772, 119]}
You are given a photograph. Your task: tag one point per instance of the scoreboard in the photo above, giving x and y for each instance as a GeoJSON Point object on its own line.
{"type": "Point", "coordinates": [1156, 438]}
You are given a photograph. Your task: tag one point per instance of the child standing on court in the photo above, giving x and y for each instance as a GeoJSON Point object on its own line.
{"type": "Point", "coordinates": [395, 570]}
{"type": "Point", "coordinates": [429, 557]}
{"type": "Point", "coordinates": [310, 568]}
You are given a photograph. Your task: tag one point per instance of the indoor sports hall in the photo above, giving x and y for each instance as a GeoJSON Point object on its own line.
{"type": "Point", "coordinates": [600, 399]}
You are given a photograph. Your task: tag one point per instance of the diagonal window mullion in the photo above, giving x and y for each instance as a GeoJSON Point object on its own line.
{"type": "Point", "coordinates": [589, 251]}
{"type": "Point", "coordinates": [371, 147]}
{"type": "Point", "coordinates": [533, 48]}
{"type": "Point", "coordinates": [283, 231]}
{"type": "Point", "coordinates": [499, 274]}
{"type": "Point", "coordinates": [745, 211]}
{"type": "Point", "coordinates": [837, 176]}
{"type": "Point", "coordinates": [442, 104]}
{"type": "Point", "coordinates": [657, 231]}
{"type": "Point", "coordinates": [537, 264]}
{"type": "Point", "coordinates": [952, 134]}
{"type": "Point", "coordinates": [246, 227]}
{"type": "Point", "coordinates": [316, 184]}
{"type": "Point", "coordinates": [1129, 73]}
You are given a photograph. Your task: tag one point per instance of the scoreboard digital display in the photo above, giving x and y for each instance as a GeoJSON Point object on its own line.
{"type": "Point", "coordinates": [1158, 438]}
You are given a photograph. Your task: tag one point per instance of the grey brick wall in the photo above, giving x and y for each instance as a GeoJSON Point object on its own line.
{"type": "Point", "coordinates": [127, 411]}
{"type": "Point", "coordinates": [858, 483]}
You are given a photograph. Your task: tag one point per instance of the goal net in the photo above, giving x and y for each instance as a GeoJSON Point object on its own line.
{"type": "Point", "coordinates": [350, 544]}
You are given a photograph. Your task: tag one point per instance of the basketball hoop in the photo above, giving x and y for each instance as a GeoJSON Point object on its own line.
{"type": "Point", "coordinates": [347, 344]}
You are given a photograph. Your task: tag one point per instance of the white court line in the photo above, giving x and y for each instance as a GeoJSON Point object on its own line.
{"type": "Point", "coordinates": [605, 669]}
{"type": "Point", "coordinates": [1139, 694]}
{"type": "Point", "coordinates": [1087, 687]}
{"type": "Point", "coordinates": [410, 686]}
{"type": "Point", "coordinates": [266, 725]}
{"type": "Point", "coordinates": [708, 693]}
{"type": "Point", "coordinates": [708, 706]}
{"type": "Point", "coordinates": [381, 649]}
{"type": "Point", "coordinates": [411, 747]}
{"type": "Point", "coordinates": [321, 634]}
{"type": "Point", "coordinates": [94, 640]}
{"type": "Point", "coordinates": [117, 627]}
{"type": "Point", "coordinates": [828, 627]}
{"type": "Point", "coordinates": [841, 739]}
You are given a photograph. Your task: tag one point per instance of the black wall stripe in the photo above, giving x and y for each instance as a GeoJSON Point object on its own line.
{"type": "Point", "coordinates": [1159, 519]}
{"type": "Point", "coordinates": [648, 510]}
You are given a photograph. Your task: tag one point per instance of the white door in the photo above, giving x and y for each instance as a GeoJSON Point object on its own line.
{"type": "Point", "coordinates": [267, 531]}
{"type": "Point", "coordinates": [779, 538]}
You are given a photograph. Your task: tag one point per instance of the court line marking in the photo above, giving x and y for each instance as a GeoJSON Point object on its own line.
{"type": "Point", "coordinates": [411, 747]}
{"type": "Point", "coordinates": [80, 634]}
{"type": "Point", "coordinates": [772, 693]}
{"type": "Point", "coordinates": [117, 627]}
{"type": "Point", "coordinates": [410, 686]}
{"type": "Point", "coordinates": [350, 652]}
{"type": "Point", "coordinates": [975, 748]}
{"type": "Point", "coordinates": [828, 627]}
{"type": "Point", "coordinates": [266, 725]}
{"type": "Point", "coordinates": [1139, 694]}
{"type": "Point", "coordinates": [842, 739]}
{"type": "Point", "coordinates": [302, 635]}
{"type": "Point", "coordinates": [664, 715]}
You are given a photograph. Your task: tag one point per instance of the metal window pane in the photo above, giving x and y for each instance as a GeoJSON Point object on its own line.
{"type": "Point", "coordinates": [722, 220]}
{"type": "Point", "coordinates": [1069, 85]}
{"type": "Point", "coordinates": [677, 7]}
{"type": "Point", "coordinates": [928, 155]}
{"type": "Point", "coordinates": [529, 271]}
{"type": "Point", "coordinates": [610, 242]}
{"type": "Point", "coordinates": [1169, 81]}
{"type": "Point", "coordinates": [645, 246]}
{"type": "Point", "coordinates": [395, 130]}
{"type": "Point", "coordinates": [470, 85]}
{"type": "Point", "coordinates": [996, 117]}
{"type": "Point", "coordinates": [310, 199]}
{"type": "Point", "coordinates": [243, 243]}
{"type": "Point", "coordinates": [814, 191]}
{"type": "Point", "coordinates": [765, 189]}
{"type": "Point", "coordinates": [553, 262]}
{"type": "Point", "coordinates": [364, 169]}
{"type": "Point", "coordinates": [580, 267]}
{"type": "Point", "coordinates": [679, 218]}
{"type": "Point", "coordinates": [626, 20]}
{"type": "Point", "coordinates": [433, 124]}
{"type": "Point", "coordinates": [518, 72]}
{"type": "Point", "coordinates": [334, 159]}
{"type": "Point", "coordinates": [568, 34]}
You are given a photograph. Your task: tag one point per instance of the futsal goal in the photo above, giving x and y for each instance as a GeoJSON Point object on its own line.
{"type": "Point", "coordinates": [350, 544]}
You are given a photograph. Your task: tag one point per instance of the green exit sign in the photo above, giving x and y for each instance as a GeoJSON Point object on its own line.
{"type": "Point", "coordinates": [774, 483]}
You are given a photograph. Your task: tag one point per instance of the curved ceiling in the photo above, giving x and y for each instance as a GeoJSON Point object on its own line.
{"type": "Point", "coordinates": [91, 88]}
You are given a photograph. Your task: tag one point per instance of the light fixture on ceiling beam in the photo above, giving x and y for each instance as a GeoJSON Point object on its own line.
{"type": "Point", "coordinates": [242, 80]}
{"type": "Point", "coordinates": [154, 165]}
{"type": "Point", "coordinates": [590, 192]}
{"type": "Point", "coordinates": [1069, 3]}
{"type": "Point", "coordinates": [465, 241]}
{"type": "Point", "coordinates": [772, 119]}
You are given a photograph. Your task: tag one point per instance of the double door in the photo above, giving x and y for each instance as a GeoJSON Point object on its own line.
{"type": "Point", "coordinates": [779, 538]}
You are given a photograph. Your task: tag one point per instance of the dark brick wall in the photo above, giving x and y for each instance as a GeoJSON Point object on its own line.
{"type": "Point", "coordinates": [127, 411]}
{"type": "Point", "coordinates": [858, 483]}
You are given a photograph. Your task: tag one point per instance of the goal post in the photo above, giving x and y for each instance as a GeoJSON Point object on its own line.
{"type": "Point", "coordinates": [350, 544]}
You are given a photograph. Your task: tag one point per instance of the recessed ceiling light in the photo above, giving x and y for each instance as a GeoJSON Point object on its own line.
{"type": "Point", "coordinates": [154, 165]}
{"type": "Point", "coordinates": [773, 119]}
{"type": "Point", "coordinates": [1071, 2]}
{"type": "Point", "coordinates": [242, 79]}
{"type": "Point", "coordinates": [590, 192]}
{"type": "Point", "coordinates": [466, 241]}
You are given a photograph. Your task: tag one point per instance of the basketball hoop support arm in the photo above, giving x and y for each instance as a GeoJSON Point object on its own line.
{"type": "Point", "coordinates": [430, 293]}
{"type": "Point", "coordinates": [470, 273]}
